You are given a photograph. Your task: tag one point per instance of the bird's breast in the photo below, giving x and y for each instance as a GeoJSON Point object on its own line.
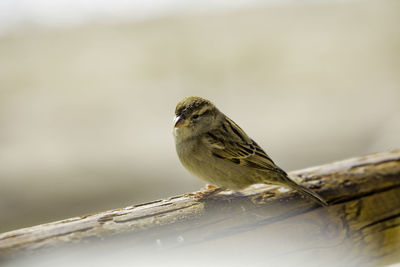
{"type": "Point", "coordinates": [198, 160]}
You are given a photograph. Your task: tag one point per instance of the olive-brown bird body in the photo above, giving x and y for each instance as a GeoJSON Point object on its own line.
{"type": "Point", "coordinates": [214, 148]}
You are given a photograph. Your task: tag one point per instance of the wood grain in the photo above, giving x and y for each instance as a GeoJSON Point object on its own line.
{"type": "Point", "coordinates": [361, 226]}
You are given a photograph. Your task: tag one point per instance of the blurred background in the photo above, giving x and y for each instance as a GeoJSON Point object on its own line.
{"type": "Point", "coordinates": [88, 91]}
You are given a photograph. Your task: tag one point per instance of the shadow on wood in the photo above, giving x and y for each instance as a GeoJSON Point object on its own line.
{"type": "Point", "coordinates": [260, 226]}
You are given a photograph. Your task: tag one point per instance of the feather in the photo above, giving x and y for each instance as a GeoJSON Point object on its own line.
{"type": "Point", "coordinates": [230, 142]}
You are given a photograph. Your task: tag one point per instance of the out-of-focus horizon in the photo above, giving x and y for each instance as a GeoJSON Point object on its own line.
{"type": "Point", "coordinates": [17, 14]}
{"type": "Point", "coordinates": [87, 97]}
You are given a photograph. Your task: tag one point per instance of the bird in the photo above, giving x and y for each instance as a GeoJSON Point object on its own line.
{"type": "Point", "coordinates": [214, 148]}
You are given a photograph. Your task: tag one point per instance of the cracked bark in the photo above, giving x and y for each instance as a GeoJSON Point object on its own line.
{"type": "Point", "coordinates": [360, 226]}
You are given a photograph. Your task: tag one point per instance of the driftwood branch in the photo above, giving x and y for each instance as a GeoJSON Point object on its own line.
{"type": "Point", "coordinates": [360, 226]}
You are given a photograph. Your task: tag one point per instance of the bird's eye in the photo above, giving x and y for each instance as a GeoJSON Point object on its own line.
{"type": "Point", "coordinates": [195, 116]}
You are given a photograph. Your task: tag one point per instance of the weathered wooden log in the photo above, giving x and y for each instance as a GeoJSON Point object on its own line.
{"type": "Point", "coordinates": [263, 223]}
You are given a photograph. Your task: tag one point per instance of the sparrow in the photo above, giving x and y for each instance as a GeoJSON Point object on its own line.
{"type": "Point", "coordinates": [214, 148]}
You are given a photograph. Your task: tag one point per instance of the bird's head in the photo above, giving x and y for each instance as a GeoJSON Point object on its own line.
{"type": "Point", "coordinates": [194, 116]}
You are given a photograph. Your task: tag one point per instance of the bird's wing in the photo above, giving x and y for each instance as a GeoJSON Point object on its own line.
{"type": "Point", "coordinates": [231, 143]}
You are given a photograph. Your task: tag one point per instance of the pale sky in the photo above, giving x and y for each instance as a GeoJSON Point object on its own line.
{"type": "Point", "coordinates": [18, 13]}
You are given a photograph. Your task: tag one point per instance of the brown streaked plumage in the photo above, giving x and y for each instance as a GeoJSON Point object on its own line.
{"type": "Point", "coordinates": [214, 148]}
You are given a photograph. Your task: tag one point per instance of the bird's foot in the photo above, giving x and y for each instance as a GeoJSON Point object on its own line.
{"type": "Point", "coordinates": [206, 192]}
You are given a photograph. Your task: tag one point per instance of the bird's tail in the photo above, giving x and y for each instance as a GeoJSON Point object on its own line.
{"type": "Point", "coordinates": [305, 191]}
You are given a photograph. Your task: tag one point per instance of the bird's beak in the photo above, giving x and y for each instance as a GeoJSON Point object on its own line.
{"type": "Point", "coordinates": [180, 121]}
